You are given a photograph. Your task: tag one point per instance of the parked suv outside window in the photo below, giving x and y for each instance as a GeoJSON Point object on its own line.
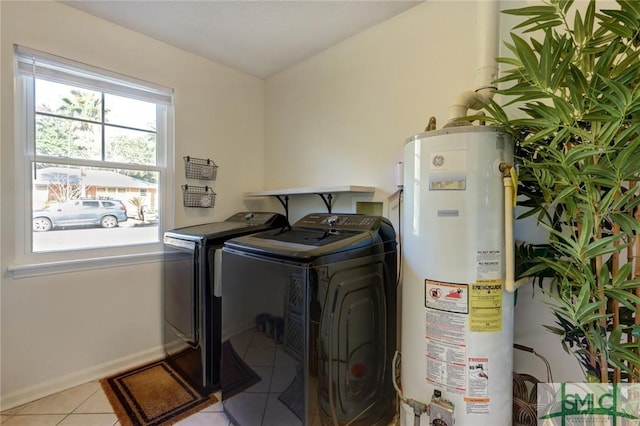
{"type": "Point", "coordinates": [104, 213]}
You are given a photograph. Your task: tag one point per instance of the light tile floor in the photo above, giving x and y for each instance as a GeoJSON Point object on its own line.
{"type": "Point", "coordinates": [259, 404]}
{"type": "Point", "coordinates": [87, 405]}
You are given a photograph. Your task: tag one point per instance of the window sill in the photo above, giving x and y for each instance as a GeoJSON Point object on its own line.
{"type": "Point", "coordinates": [59, 267]}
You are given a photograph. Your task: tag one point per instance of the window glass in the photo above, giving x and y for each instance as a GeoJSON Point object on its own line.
{"type": "Point", "coordinates": [68, 101]}
{"type": "Point", "coordinates": [130, 146]}
{"type": "Point", "coordinates": [62, 194]}
{"type": "Point", "coordinates": [118, 110]}
{"type": "Point", "coordinates": [64, 137]}
{"type": "Point", "coordinates": [95, 146]}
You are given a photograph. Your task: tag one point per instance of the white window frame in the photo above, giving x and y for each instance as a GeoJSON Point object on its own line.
{"type": "Point", "coordinates": [30, 63]}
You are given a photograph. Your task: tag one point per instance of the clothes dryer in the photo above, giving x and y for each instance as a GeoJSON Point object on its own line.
{"type": "Point", "coordinates": [191, 293]}
{"type": "Point", "coordinates": [328, 286]}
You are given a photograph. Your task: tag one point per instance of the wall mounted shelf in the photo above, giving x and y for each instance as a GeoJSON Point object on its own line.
{"type": "Point", "coordinates": [324, 192]}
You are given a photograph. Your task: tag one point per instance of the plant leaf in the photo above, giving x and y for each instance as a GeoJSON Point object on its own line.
{"type": "Point", "coordinates": [528, 58]}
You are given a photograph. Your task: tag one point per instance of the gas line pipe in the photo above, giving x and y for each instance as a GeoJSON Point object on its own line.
{"type": "Point", "coordinates": [509, 182]}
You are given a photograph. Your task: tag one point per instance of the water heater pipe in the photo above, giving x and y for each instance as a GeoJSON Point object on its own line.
{"type": "Point", "coordinates": [488, 13]}
{"type": "Point", "coordinates": [510, 284]}
{"type": "Point", "coordinates": [489, 30]}
{"type": "Point", "coordinates": [419, 408]}
{"type": "Point", "coordinates": [467, 100]}
{"type": "Point", "coordinates": [508, 234]}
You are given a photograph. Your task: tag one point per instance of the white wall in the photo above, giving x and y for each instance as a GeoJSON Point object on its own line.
{"type": "Point", "coordinates": [67, 328]}
{"type": "Point", "coordinates": [342, 117]}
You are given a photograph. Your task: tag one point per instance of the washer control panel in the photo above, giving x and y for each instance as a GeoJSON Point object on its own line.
{"type": "Point", "coordinates": [253, 218]}
{"type": "Point", "coordinates": [347, 222]}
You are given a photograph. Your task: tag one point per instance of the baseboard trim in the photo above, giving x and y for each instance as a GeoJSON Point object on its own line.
{"type": "Point", "coordinates": [236, 329]}
{"type": "Point", "coordinates": [40, 390]}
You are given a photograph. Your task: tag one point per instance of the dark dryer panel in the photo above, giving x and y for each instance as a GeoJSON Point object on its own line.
{"type": "Point", "coordinates": [330, 281]}
{"type": "Point", "coordinates": [352, 359]}
{"type": "Point", "coordinates": [192, 302]}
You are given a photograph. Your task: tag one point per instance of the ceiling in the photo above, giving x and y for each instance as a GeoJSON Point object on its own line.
{"type": "Point", "coordinates": [258, 37]}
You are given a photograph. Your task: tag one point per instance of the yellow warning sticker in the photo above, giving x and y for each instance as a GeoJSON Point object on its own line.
{"type": "Point", "coordinates": [485, 305]}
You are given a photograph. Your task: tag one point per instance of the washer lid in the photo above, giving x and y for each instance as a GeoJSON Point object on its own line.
{"type": "Point", "coordinates": [239, 224]}
{"type": "Point", "coordinates": [302, 244]}
{"type": "Point", "coordinates": [308, 237]}
{"type": "Point", "coordinates": [320, 234]}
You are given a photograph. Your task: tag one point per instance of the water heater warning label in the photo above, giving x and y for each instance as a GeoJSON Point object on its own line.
{"type": "Point", "coordinates": [485, 305]}
{"type": "Point", "coordinates": [478, 377]}
{"type": "Point", "coordinates": [446, 296]}
{"type": "Point", "coordinates": [488, 263]}
{"type": "Point", "coordinates": [445, 350]}
{"type": "Point", "coordinates": [446, 325]}
{"type": "Point", "coordinates": [477, 399]}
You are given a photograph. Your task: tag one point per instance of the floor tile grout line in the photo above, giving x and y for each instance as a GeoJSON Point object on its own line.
{"type": "Point", "coordinates": [17, 407]}
{"type": "Point", "coordinates": [67, 415]}
{"type": "Point", "coordinates": [86, 399]}
{"type": "Point", "coordinates": [62, 420]}
{"type": "Point", "coordinates": [73, 411]}
{"type": "Point", "coordinates": [91, 396]}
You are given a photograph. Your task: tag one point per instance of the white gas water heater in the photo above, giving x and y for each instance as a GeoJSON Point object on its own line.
{"type": "Point", "coordinates": [456, 358]}
{"type": "Point", "coordinates": [457, 316]}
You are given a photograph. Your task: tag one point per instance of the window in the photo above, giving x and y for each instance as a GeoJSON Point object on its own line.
{"type": "Point", "coordinates": [93, 152]}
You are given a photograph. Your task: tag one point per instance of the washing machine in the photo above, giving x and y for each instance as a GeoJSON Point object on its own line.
{"type": "Point", "coordinates": [191, 293]}
{"type": "Point", "coordinates": [311, 309]}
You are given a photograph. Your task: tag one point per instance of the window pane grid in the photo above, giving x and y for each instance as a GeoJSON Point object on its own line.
{"type": "Point", "coordinates": [104, 164]}
{"type": "Point", "coordinates": [68, 138]}
{"type": "Point", "coordinates": [83, 115]}
{"type": "Point", "coordinates": [64, 117]}
{"type": "Point", "coordinates": [94, 167]}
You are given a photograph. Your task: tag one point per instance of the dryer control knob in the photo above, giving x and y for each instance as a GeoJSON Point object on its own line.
{"type": "Point", "coordinates": [331, 220]}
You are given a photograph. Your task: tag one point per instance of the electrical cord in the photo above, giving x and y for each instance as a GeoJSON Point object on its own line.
{"type": "Point", "coordinates": [419, 408]}
{"type": "Point", "coordinates": [400, 200]}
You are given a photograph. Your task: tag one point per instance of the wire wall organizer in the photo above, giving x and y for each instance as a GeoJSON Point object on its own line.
{"type": "Point", "coordinates": [198, 196]}
{"type": "Point", "coordinates": [200, 168]}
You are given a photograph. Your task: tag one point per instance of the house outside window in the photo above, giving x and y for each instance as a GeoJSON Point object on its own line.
{"type": "Point", "coordinates": [86, 136]}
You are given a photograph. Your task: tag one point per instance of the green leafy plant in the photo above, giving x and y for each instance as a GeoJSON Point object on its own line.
{"type": "Point", "coordinates": [573, 88]}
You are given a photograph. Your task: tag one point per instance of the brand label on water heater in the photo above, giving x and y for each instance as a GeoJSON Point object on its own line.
{"type": "Point", "coordinates": [448, 183]}
{"type": "Point", "coordinates": [447, 171]}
